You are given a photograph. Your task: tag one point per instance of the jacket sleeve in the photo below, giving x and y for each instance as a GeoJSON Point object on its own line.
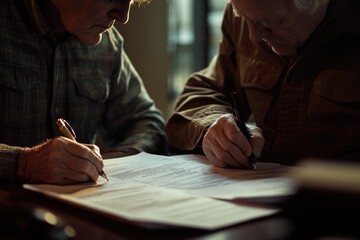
{"type": "Point", "coordinates": [8, 163]}
{"type": "Point", "coordinates": [206, 94]}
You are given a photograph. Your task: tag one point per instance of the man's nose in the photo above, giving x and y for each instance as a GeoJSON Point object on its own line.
{"type": "Point", "coordinates": [121, 11]}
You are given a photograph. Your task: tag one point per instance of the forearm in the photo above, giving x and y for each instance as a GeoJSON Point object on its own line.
{"type": "Point", "coordinates": [8, 163]}
{"type": "Point", "coordinates": [185, 129]}
{"type": "Point", "coordinates": [202, 102]}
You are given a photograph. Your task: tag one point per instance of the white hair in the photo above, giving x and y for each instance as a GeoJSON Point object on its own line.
{"type": "Point", "coordinates": [308, 6]}
{"type": "Point", "coordinates": [304, 4]}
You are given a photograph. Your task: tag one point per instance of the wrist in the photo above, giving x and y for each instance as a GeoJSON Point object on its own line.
{"type": "Point", "coordinates": [22, 172]}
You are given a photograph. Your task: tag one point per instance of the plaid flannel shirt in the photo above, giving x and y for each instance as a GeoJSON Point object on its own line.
{"type": "Point", "coordinates": [95, 88]}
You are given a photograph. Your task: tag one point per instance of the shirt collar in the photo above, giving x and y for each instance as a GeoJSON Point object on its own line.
{"type": "Point", "coordinates": [37, 20]}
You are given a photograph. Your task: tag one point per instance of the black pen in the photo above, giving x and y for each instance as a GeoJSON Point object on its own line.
{"type": "Point", "coordinates": [65, 128]}
{"type": "Point", "coordinates": [241, 124]}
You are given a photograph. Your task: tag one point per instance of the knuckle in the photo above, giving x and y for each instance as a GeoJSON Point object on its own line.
{"type": "Point", "coordinates": [232, 135]}
{"type": "Point", "coordinates": [57, 140]}
{"type": "Point", "coordinates": [221, 155]}
{"type": "Point", "coordinates": [96, 148]}
{"type": "Point", "coordinates": [87, 154]}
{"type": "Point", "coordinates": [212, 130]}
{"type": "Point", "coordinates": [227, 146]}
{"type": "Point", "coordinates": [58, 143]}
{"type": "Point", "coordinates": [225, 119]}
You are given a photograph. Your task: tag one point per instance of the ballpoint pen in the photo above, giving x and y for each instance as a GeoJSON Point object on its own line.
{"type": "Point", "coordinates": [241, 124]}
{"type": "Point", "coordinates": [65, 128]}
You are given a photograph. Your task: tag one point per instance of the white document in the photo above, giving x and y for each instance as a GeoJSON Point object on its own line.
{"type": "Point", "coordinates": [194, 174]}
{"type": "Point", "coordinates": [175, 191]}
{"type": "Point", "coordinates": [143, 204]}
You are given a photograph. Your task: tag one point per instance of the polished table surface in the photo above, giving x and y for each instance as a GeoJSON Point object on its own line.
{"type": "Point", "coordinates": [284, 225]}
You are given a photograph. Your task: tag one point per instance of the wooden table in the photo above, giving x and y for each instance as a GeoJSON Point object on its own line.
{"type": "Point", "coordinates": [90, 226]}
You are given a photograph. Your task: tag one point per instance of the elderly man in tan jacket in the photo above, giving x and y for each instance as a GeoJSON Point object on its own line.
{"type": "Point", "coordinates": [295, 65]}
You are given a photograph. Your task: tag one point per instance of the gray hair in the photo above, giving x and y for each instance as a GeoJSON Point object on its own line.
{"type": "Point", "coordinates": [303, 4]}
{"type": "Point", "coordinates": [306, 5]}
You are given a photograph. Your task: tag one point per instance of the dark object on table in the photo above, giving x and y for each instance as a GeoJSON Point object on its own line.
{"type": "Point", "coordinates": [20, 222]}
{"type": "Point", "coordinates": [327, 202]}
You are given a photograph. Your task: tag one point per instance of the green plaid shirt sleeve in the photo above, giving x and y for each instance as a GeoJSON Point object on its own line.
{"type": "Point", "coordinates": [95, 88]}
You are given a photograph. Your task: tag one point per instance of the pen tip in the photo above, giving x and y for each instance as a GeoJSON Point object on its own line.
{"type": "Point", "coordinates": [106, 178]}
{"type": "Point", "coordinates": [102, 173]}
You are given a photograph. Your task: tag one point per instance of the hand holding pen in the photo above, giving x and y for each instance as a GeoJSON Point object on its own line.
{"type": "Point", "coordinates": [225, 145]}
{"type": "Point", "coordinates": [65, 128]}
{"type": "Point", "coordinates": [59, 161]}
{"type": "Point", "coordinates": [241, 124]}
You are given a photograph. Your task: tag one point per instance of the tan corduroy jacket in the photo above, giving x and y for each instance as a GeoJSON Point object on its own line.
{"type": "Point", "coordinates": [308, 107]}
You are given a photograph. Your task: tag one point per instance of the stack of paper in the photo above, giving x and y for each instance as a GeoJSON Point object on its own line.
{"type": "Point", "coordinates": [182, 190]}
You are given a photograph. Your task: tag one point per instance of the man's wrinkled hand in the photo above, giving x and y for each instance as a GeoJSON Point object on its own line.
{"type": "Point", "coordinates": [226, 146]}
{"type": "Point", "coordinates": [59, 161]}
